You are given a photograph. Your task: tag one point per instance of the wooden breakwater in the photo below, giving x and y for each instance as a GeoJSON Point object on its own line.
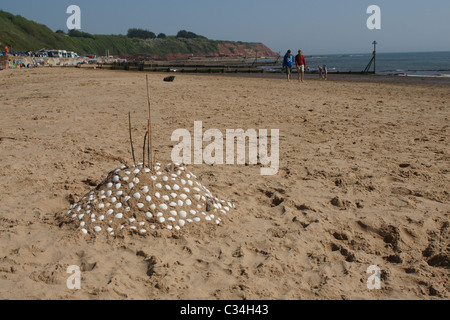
{"type": "Point", "coordinates": [191, 66]}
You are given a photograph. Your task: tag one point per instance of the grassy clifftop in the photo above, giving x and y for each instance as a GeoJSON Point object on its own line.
{"type": "Point", "coordinates": [24, 35]}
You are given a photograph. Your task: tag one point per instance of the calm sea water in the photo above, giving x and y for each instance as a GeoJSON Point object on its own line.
{"type": "Point", "coordinates": [424, 64]}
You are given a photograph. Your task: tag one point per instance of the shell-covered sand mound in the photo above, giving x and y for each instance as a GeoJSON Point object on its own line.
{"type": "Point", "coordinates": [138, 200]}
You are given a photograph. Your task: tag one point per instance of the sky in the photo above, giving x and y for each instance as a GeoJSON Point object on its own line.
{"type": "Point", "coordinates": [315, 26]}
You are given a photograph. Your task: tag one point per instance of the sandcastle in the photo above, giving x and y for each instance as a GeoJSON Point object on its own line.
{"type": "Point", "coordinates": [140, 200]}
{"type": "Point", "coordinates": [145, 197]}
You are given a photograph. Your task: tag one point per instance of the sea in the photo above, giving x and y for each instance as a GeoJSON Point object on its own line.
{"type": "Point", "coordinates": [420, 64]}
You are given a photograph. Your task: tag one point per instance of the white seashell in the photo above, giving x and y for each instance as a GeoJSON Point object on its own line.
{"type": "Point", "coordinates": [101, 205]}
{"type": "Point", "coordinates": [189, 202]}
{"type": "Point", "coordinates": [131, 185]}
{"type": "Point", "coordinates": [208, 218]}
{"type": "Point", "coordinates": [189, 220]}
{"type": "Point", "coordinates": [173, 195]}
{"type": "Point", "coordinates": [149, 215]}
{"type": "Point", "coordinates": [109, 185]}
{"type": "Point", "coordinates": [183, 214]}
{"type": "Point", "coordinates": [172, 219]}
{"type": "Point", "coordinates": [197, 219]}
{"type": "Point", "coordinates": [142, 224]}
{"type": "Point", "coordinates": [119, 205]}
{"type": "Point", "coordinates": [166, 198]}
{"type": "Point", "coordinates": [199, 206]}
{"type": "Point", "coordinates": [169, 227]}
{"type": "Point", "coordinates": [101, 218]}
{"type": "Point", "coordinates": [174, 213]}
{"type": "Point", "coordinates": [119, 193]}
{"type": "Point", "coordinates": [108, 193]}
{"type": "Point", "coordinates": [160, 214]}
{"type": "Point", "coordinates": [183, 182]}
{"type": "Point", "coordinates": [128, 209]}
{"type": "Point", "coordinates": [113, 199]}
{"type": "Point", "coordinates": [84, 231]}
{"type": "Point", "coordinates": [176, 187]}
{"type": "Point", "coordinates": [127, 173]}
{"type": "Point", "coordinates": [165, 179]}
{"type": "Point", "coordinates": [193, 212]}
{"type": "Point", "coordinates": [110, 211]}
{"type": "Point", "coordinates": [159, 173]}
{"type": "Point", "coordinates": [118, 186]}
{"type": "Point", "coordinates": [125, 179]}
{"type": "Point", "coordinates": [116, 178]}
{"type": "Point", "coordinates": [190, 183]}
{"type": "Point", "coordinates": [226, 208]}
{"type": "Point", "coordinates": [183, 196]}
{"type": "Point", "coordinates": [140, 205]}
{"type": "Point", "coordinates": [110, 229]}
{"type": "Point", "coordinates": [148, 198]}
{"type": "Point", "coordinates": [97, 229]}
{"type": "Point", "coordinates": [163, 206]}
{"type": "Point", "coordinates": [188, 175]}
{"type": "Point", "coordinates": [133, 228]}
{"type": "Point", "coordinates": [82, 224]}
{"type": "Point", "coordinates": [147, 170]}
{"type": "Point", "coordinates": [162, 219]}
{"type": "Point", "coordinates": [152, 227]}
{"type": "Point", "coordinates": [132, 220]}
{"type": "Point", "coordinates": [197, 189]}
{"type": "Point", "coordinates": [168, 187]}
{"type": "Point", "coordinates": [173, 175]}
{"type": "Point", "coordinates": [127, 198]}
{"type": "Point", "coordinates": [136, 171]}
{"type": "Point", "coordinates": [154, 178]}
{"type": "Point", "coordinates": [186, 190]}
{"type": "Point", "coordinates": [136, 180]}
{"type": "Point", "coordinates": [137, 195]}
{"type": "Point", "coordinates": [80, 217]}
{"type": "Point", "coordinates": [119, 216]}
{"type": "Point", "coordinates": [172, 204]}
{"type": "Point", "coordinates": [145, 189]}
{"type": "Point", "coordinates": [182, 223]}
{"type": "Point", "coordinates": [153, 207]}
{"type": "Point", "coordinates": [157, 168]}
{"type": "Point", "coordinates": [142, 231]}
{"type": "Point", "coordinates": [180, 203]}
{"type": "Point", "coordinates": [177, 228]}
{"type": "Point", "coordinates": [158, 185]}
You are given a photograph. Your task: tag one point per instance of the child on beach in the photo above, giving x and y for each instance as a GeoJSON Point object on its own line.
{"type": "Point", "coordinates": [320, 72]}
{"type": "Point", "coordinates": [325, 72]}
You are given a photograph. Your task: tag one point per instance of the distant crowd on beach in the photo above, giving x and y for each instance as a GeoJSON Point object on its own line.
{"type": "Point", "coordinates": [300, 63]}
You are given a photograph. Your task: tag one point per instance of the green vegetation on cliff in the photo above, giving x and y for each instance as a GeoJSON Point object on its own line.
{"type": "Point", "coordinates": [23, 35]}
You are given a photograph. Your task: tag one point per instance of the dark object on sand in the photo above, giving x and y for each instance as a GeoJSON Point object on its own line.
{"type": "Point", "coordinates": [169, 79]}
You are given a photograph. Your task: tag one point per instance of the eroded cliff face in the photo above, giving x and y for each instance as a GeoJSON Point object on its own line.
{"type": "Point", "coordinates": [225, 50]}
{"type": "Point", "coordinates": [245, 50]}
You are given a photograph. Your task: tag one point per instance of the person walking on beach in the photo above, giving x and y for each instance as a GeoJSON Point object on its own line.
{"type": "Point", "coordinates": [288, 62]}
{"type": "Point", "coordinates": [320, 72]}
{"type": "Point", "coordinates": [325, 72]}
{"type": "Point", "coordinates": [6, 49]}
{"type": "Point", "coordinates": [300, 63]}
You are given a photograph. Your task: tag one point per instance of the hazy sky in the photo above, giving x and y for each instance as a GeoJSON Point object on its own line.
{"type": "Point", "coordinates": [316, 26]}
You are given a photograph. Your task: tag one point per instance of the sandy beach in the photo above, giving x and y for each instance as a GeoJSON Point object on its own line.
{"type": "Point", "coordinates": [363, 181]}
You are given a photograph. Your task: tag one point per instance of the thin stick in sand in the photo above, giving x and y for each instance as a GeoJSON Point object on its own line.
{"type": "Point", "coordinates": [149, 128]}
{"type": "Point", "coordinates": [131, 138]}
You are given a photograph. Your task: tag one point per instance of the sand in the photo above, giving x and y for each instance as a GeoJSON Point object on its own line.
{"type": "Point", "coordinates": [363, 180]}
